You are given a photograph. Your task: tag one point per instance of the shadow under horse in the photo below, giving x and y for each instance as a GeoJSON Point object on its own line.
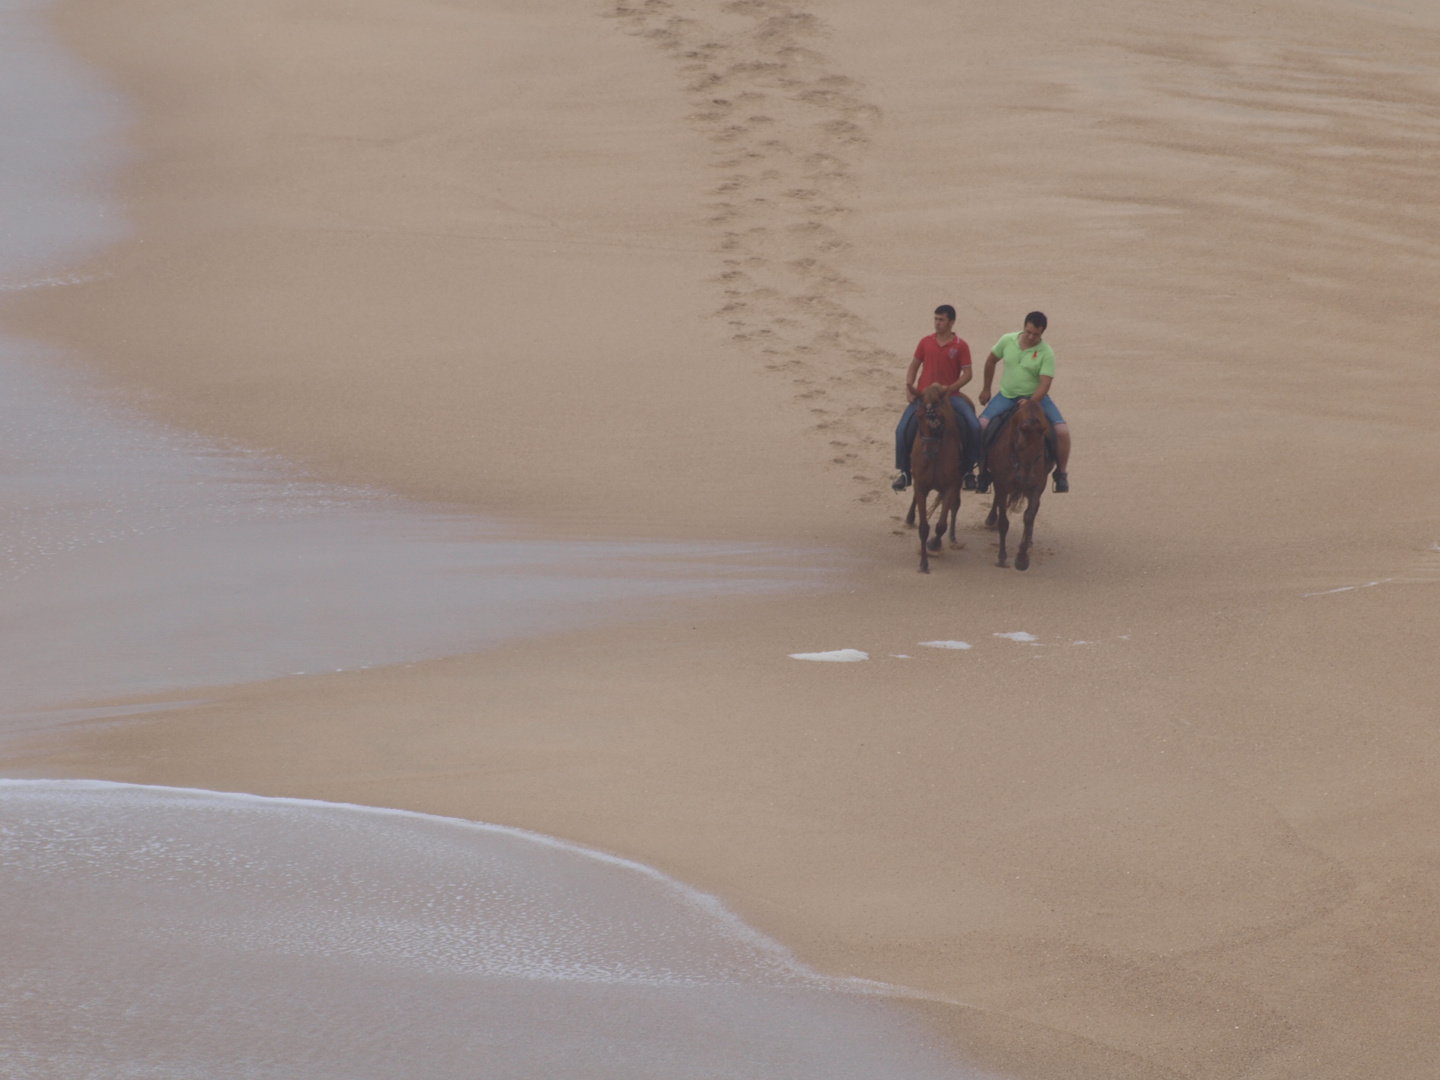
{"type": "Point", "coordinates": [935, 466]}
{"type": "Point", "coordinates": [1020, 460]}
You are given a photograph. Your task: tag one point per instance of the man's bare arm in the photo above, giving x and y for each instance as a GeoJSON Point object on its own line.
{"type": "Point", "coordinates": [990, 362]}
{"type": "Point", "coordinates": [910, 392]}
{"type": "Point", "coordinates": [1043, 388]}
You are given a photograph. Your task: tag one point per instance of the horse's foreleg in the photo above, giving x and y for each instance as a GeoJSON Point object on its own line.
{"type": "Point", "coordinates": [924, 523]}
{"type": "Point", "coordinates": [954, 507]}
{"type": "Point", "coordinates": [939, 508]}
{"type": "Point", "coordinates": [1032, 507]}
{"type": "Point", "coordinates": [1002, 519]}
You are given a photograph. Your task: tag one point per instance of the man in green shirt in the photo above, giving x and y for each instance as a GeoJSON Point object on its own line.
{"type": "Point", "coordinates": [1029, 369]}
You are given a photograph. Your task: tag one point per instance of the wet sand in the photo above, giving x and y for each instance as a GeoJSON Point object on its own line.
{"type": "Point", "coordinates": [136, 559]}
{"type": "Point", "coordinates": [655, 270]}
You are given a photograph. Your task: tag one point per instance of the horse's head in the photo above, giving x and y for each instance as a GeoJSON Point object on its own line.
{"type": "Point", "coordinates": [1030, 421]}
{"type": "Point", "coordinates": [932, 419]}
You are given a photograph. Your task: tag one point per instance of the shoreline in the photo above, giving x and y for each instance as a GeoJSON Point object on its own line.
{"type": "Point", "coordinates": [801, 854]}
{"type": "Point", "coordinates": [138, 556]}
{"type": "Point", "coordinates": [1148, 843]}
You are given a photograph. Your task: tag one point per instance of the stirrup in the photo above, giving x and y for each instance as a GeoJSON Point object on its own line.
{"type": "Point", "coordinates": [982, 484]}
{"type": "Point", "coordinates": [967, 482]}
{"type": "Point", "coordinates": [1062, 482]}
{"type": "Point", "coordinates": [901, 482]}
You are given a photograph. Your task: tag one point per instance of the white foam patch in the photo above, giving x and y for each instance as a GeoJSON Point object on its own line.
{"type": "Point", "coordinates": [946, 644]}
{"type": "Point", "coordinates": [1348, 588]}
{"type": "Point", "coordinates": [50, 282]}
{"type": "Point", "coordinates": [835, 656]}
{"type": "Point", "coordinates": [1018, 635]}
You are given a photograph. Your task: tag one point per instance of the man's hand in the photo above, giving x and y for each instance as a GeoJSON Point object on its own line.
{"type": "Point", "coordinates": [985, 396]}
{"type": "Point", "coordinates": [910, 376]}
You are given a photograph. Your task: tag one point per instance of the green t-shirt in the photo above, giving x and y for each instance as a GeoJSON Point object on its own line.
{"type": "Point", "coordinates": [1020, 376]}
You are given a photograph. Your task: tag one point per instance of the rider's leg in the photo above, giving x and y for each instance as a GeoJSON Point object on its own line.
{"type": "Point", "coordinates": [965, 416]}
{"type": "Point", "coordinates": [1062, 442]}
{"type": "Point", "coordinates": [1062, 446]}
{"type": "Point", "coordinates": [997, 406]}
{"type": "Point", "coordinates": [969, 430]}
{"type": "Point", "coordinates": [902, 429]}
{"type": "Point", "coordinates": [904, 441]}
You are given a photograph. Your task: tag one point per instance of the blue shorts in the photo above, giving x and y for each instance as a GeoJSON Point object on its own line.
{"type": "Point", "coordinates": [1000, 405]}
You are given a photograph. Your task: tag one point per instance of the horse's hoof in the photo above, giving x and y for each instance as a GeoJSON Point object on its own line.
{"type": "Point", "coordinates": [924, 569]}
{"type": "Point", "coordinates": [1003, 564]}
{"type": "Point", "coordinates": [935, 544]}
{"type": "Point", "coordinates": [1022, 562]}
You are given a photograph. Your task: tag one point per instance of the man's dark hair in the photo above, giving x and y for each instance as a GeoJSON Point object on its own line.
{"type": "Point", "coordinates": [1037, 319]}
{"type": "Point", "coordinates": [947, 311]}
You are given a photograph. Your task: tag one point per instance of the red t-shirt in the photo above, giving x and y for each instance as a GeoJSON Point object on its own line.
{"type": "Point", "coordinates": [941, 363]}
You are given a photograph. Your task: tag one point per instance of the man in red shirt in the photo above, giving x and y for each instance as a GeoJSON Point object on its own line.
{"type": "Point", "coordinates": [940, 358]}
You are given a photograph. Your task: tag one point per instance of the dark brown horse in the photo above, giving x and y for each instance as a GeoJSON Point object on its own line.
{"type": "Point", "coordinates": [935, 465]}
{"type": "Point", "coordinates": [1020, 461]}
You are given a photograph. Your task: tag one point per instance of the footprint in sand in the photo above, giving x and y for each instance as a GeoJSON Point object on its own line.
{"type": "Point", "coordinates": [785, 128]}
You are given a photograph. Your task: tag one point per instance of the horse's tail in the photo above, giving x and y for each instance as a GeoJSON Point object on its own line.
{"type": "Point", "coordinates": [1015, 499]}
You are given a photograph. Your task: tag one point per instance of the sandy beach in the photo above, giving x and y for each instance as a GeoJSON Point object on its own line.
{"type": "Point", "coordinates": [655, 270]}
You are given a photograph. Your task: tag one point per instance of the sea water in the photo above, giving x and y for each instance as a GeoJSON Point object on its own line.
{"type": "Point", "coordinates": [159, 933]}
{"type": "Point", "coordinates": [163, 933]}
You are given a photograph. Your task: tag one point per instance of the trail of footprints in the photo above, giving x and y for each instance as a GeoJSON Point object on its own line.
{"type": "Point", "coordinates": [783, 127]}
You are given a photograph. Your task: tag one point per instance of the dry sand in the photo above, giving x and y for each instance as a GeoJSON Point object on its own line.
{"type": "Point", "coordinates": [656, 268]}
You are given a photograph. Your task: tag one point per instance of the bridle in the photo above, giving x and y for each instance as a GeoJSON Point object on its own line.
{"type": "Point", "coordinates": [935, 427]}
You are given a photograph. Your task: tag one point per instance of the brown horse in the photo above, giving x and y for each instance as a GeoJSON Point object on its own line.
{"type": "Point", "coordinates": [1020, 461]}
{"type": "Point", "coordinates": [935, 465]}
